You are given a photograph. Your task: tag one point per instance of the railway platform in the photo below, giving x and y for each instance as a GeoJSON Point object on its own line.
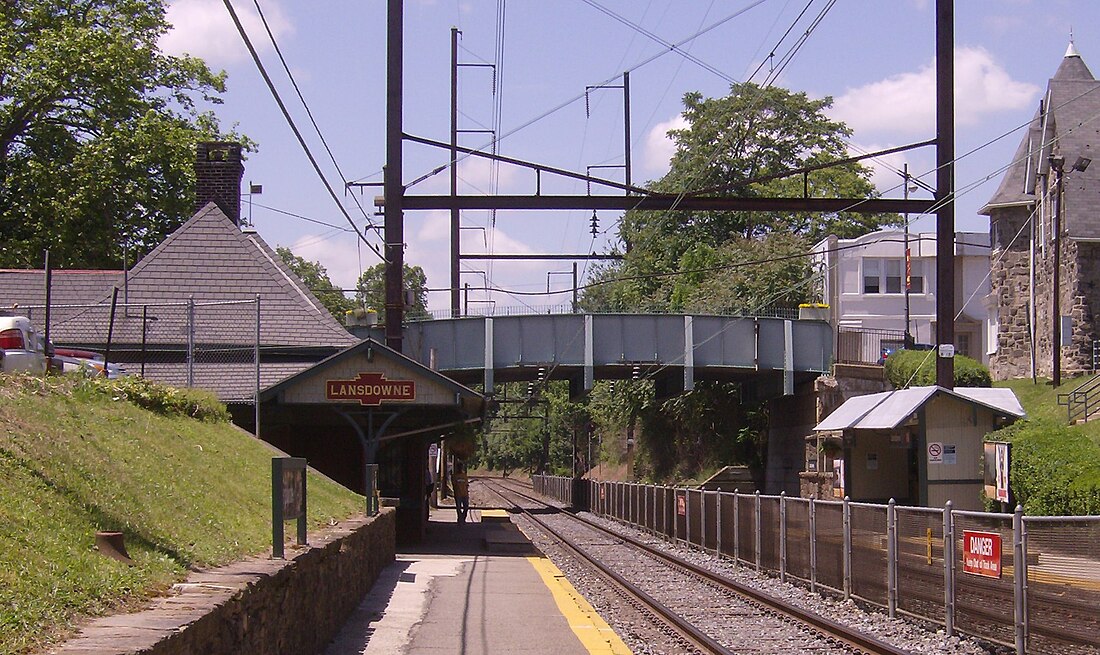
{"type": "Point", "coordinates": [474, 588]}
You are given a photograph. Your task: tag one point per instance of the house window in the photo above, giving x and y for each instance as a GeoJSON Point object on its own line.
{"type": "Point", "coordinates": [881, 276]}
{"type": "Point", "coordinates": [962, 343]}
{"type": "Point", "coordinates": [872, 272]}
{"type": "Point", "coordinates": [894, 271]}
{"type": "Point", "coordinates": [916, 275]}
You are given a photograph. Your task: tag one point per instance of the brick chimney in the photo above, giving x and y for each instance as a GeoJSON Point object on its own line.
{"type": "Point", "coordinates": [218, 173]}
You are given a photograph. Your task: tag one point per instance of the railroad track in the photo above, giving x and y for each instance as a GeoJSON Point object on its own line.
{"type": "Point", "coordinates": [698, 607]}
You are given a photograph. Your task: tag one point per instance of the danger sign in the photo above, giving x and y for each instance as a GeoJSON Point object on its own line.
{"type": "Point", "coordinates": [982, 553]}
{"type": "Point", "coordinates": [681, 505]}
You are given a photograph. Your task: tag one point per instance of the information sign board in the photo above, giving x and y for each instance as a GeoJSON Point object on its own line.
{"type": "Point", "coordinates": [681, 505]}
{"type": "Point", "coordinates": [370, 389]}
{"type": "Point", "coordinates": [982, 553]}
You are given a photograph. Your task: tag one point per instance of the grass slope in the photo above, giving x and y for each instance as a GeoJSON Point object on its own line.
{"type": "Point", "coordinates": [186, 493]}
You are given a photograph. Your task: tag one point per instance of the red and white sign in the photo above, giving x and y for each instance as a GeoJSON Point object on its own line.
{"type": "Point", "coordinates": [982, 553]}
{"type": "Point", "coordinates": [681, 505]}
{"type": "Point", "coordinates": [370, 389]}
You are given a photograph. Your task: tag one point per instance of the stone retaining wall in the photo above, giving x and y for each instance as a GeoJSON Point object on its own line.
{"type": "Point", "coordinates": [256, 606]}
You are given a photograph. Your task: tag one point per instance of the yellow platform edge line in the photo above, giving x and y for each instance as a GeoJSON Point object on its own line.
{"type": "Point", "coordinates": [585, 622]}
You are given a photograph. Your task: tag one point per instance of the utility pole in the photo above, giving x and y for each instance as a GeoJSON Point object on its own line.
{"type": "Point", "coordinates": [908, 261]}
{"type": "Point", "coordinates": [945, 191]}
{"type": "Point", "coordinates": [1057, 164]}
{"type": "Point", "coordinates": [393, 187]}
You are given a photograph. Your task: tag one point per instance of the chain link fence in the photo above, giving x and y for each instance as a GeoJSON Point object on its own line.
{"type": "Point", "coordinates": [1027, 582]}
{"type": "Point", "coordinates": [209, 345]}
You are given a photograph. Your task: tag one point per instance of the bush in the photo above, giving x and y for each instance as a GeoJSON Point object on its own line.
{"type": "Point", "coordinates": [905, 368]}
{"type": "Point", "coordinates": [160, 398]}
{"type": "Point", "coordinates": [1055, 468]}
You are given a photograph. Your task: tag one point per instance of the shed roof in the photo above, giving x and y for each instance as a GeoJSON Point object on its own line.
{"type": "Point", "coordinates": [889, 409]}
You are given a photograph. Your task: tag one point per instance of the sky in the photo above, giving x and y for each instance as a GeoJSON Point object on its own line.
{"type": "Point", "coordinates": [874, 58]}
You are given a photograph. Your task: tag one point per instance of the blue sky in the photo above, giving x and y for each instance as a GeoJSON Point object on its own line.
{"type": "Point", "coordinates": [874, 57]}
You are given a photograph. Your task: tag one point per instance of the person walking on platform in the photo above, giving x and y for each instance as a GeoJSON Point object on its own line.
{"type": "Point", "coordinates": [461, 485]}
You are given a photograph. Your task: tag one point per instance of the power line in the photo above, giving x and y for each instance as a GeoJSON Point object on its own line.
{"type": "Point", "coordinates": [294, 127]}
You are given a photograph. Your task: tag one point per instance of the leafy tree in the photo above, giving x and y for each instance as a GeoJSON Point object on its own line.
{"type": "Point", "coordinates": [97, 130]}
{"type": "Point", "coordinates": [735, 146]}
{"type": "Point", "coordinates": [315, 277]}
{"type": "Point", "coordinates": [371, 289]}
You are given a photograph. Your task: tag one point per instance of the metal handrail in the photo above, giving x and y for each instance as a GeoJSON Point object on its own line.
{"type": "Point", "coordinates": [1082, 401]}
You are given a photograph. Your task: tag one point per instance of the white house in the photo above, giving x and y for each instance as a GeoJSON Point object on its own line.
{"type": "Point", "coordinates": [863, 280]}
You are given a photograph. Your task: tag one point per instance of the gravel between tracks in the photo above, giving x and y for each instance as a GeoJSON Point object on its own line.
{"type": "Point", "coordinates": [903, 633]}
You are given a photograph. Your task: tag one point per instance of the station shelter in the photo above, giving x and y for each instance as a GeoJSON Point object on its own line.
{"type": "Point", "coordinates": [920, 446]}
{"type": "Point", "coordinates": [369, 404]}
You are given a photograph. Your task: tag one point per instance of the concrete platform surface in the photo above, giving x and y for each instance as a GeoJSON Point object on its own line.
{"type": "Point", "coordinates": [452, 595]}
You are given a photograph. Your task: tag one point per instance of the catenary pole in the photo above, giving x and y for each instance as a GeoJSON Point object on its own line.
{"type": "Point", "coordinates": [394, 192]}
{"type": "Point", "coordinates": [945, 183]}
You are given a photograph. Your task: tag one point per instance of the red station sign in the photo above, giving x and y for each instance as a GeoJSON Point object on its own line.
{"type": "Point", "coordinates": [982, 553]}
{"type": "Point", "coordinates": [370, 389]}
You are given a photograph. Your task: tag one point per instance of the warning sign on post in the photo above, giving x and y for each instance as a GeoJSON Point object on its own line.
{"type": "Point", "coordinates": [982, 553]}
{"type": "Point", "coordinates": [935, 452]}
{"type": "Point", "coordinates": [681, 505]}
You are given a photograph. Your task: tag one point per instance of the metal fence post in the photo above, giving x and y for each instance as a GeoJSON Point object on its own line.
{"type": "Point", "coordinates": [783, 536]}
{"type": "Point", "coordinates": [892, 558]}
{"type": "Point", "coordinates": [813, 546]}
{"type": "Point", "coordinates": [687, 516]}
{"type": "Point", "coordinates": [191, 341]}
{"type": "Point", "coordinates": [1019, 576]}
{"type": "Point", "coordinates": [703, 519]}
{"type": "Point", "coordinates": [736, 529]}
{"type": "Point", "coordinates": [949, 569]}
{"type": "Point", "coordinates": [256, 355]}
{"type": "Point", "coordinates": [847, 549]}
{"type": "Point", "coordinates": [758, 529]}
{"type": "Point", "coordinates": [718, 523]}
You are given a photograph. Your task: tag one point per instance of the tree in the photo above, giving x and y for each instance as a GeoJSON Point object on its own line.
{"type": "Point", "coordinates": [738, 145]}
{"type": "Point", "coordinates": [97, 131]}
{"type": "Point", "coordinates": [315, 277]}
{"type": "Point", "coordinates": [371, 289]}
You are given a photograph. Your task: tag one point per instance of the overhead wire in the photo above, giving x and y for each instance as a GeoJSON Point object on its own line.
{"type": "Point", "coordinates": [293, 127]}
{"type": "Point", "coordinates": [309, 113]}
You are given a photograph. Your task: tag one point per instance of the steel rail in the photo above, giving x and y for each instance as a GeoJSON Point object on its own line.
{"type": "Point", "coordinates": [832, 629]}
{"type": "Point", "coordinates": [672, 620]}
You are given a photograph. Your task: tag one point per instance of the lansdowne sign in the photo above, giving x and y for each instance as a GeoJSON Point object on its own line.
{"type": "Point", "coordinates": [370, 389]}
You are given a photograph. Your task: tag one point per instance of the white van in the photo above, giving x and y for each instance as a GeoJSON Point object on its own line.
{"type": "Point", "coordinates": [22, 348]}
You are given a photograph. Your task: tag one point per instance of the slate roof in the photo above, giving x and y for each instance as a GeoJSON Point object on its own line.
{"type": "Point", "coordinates": [1071, 129]}
{"type": "Point", "coordinates": [207, 258]}
{"type": "Point", "coordinates": [210, 259]}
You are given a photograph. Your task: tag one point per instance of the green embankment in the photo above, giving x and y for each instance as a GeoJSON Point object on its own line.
{"type": "Point", "coordinates": [76, 458]}
{"type": "Point", "coordinates": [1055, 466]}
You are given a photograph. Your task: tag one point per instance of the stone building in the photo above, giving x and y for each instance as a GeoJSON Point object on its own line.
{"type": "Point", "coordinates": [1049, 200]}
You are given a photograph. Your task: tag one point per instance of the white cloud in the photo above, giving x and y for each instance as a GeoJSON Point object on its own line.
{"type": "Point", "coordinates": [659, 147]}
{"type": "Point", "coordinates": [203, 28]}
{"type": "Point", "coordinates": [906, 103]}
{"type": "Point", "coordinates": [475, 174]}
{"type": "Point", "coordinates": [336, 253]}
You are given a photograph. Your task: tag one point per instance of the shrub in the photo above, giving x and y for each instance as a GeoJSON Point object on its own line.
{"type": "Point", "coordinates": [906, 368]}
{"type": "Point", "coordinates": [1055, 468]}
{"type": "Point", "coordinates": [160, 398]}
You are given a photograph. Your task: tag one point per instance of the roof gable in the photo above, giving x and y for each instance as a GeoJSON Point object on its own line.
{"type": "Point", "coordinates": [210, 259]}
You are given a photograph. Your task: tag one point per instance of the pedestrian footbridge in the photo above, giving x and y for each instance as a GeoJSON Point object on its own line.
{"type": "Point", "coordinates": [769, 354]}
